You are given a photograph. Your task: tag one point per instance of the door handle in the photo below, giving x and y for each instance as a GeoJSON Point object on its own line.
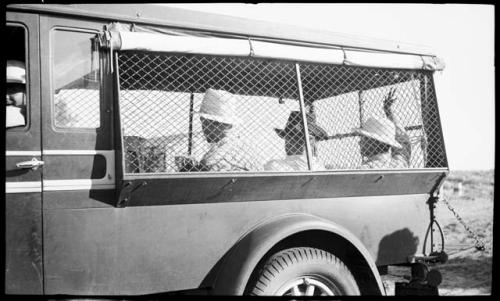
{"type": "Point", "coordinates": [33, 164]}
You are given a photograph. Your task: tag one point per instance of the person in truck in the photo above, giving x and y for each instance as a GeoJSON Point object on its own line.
{"type": "Point", "coordinates": [383, 141]}
{"type": "Point", "coordinates": [296, 159]}
{"type": "Point", "coordinates": [16, 94]}
{"type": "Point", "coordinates": [227, 152]}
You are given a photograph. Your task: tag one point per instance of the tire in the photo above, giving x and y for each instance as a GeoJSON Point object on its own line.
{"type": "Point", "coordinates": [303, 271]}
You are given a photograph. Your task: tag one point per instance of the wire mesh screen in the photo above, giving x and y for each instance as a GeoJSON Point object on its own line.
{"type": "Point", "coordinates": [191, 113]}
{"type": "Point", "coordinates": [375, 118]}
{"type": "Point", "coordinates": [172, 123]}
{"type": "Point", "coordinates": [77, 108]}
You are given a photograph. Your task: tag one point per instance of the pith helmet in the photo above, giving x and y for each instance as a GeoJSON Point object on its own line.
{"type": "Point", "coordinates": [16, 72]}
{"type": "Point", "coordinates": [294, 126]}
{"type": "Point", "coordinates": [381, 129]}
{"type": "Point", "coordinates": [219, 105]}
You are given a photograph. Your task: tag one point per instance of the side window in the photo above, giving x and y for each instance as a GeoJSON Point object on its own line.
{"type": "Point", "coordinates": [182, 113]}
{"type": "Point", "coordinates": [192, 113]}
{"type": "Point", "coordinates": [16, 80]}
{"type": "Point", "coordinates": [375, 118]}
{"type": "Point", "coordinates": [75, 80]}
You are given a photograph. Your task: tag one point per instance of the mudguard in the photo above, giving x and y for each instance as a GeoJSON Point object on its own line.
{"type": "Point", "coordinates": [242, 259]}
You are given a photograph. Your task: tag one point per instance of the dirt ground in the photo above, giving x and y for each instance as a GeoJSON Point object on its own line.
{"type": "Point", "coordinates": [468, 271]}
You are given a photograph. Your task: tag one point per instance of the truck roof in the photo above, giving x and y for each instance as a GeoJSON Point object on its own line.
{"type": "Point", "coordinates": [151, 14]}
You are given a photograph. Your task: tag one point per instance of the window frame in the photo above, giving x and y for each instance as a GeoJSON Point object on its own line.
{"type": "Point", "coordinates": [27, 125]}
{"type": "Point", "coordinates": [100, 54]}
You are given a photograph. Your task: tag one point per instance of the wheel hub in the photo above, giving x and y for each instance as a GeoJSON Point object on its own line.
{"type": "Point", "coordinates": [306, 286]}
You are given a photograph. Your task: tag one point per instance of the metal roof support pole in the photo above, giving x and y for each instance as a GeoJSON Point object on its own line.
{"type": "Point", "coordinates": [121, 154]}
{"type": "Point", "coordinates": [360, 104]}
{"type": "Point", "coordinates": [190, 141]}
{"type": "Point", "coordinates": [118, 115]}
{"type": "Point", "coordinates": [304, 118]}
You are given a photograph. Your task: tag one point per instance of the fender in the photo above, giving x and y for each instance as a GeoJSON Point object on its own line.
{"type": "Point", "coordinates": [242, 259]}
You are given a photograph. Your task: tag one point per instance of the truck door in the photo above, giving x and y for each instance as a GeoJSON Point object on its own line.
{"type": "Point", "coordinates": [78, 178]}
{"type": "Point", "coordinates": [23, 159]}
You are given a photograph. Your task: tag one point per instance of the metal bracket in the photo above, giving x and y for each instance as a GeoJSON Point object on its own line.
{"type": "Point", "coordinates": [430, 229]}
{"type": "Point", "coordinates": [434, 257]}
{"type": "Point", "coordinates": [126, 192]}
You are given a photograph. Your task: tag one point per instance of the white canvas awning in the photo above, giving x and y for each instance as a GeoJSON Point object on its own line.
{"type": "Point", "coordinates": [183, 44]}
{"type": "Point", "coordinates": [391, 60]}
{"type": "Point", "coordinates": [208, 45]}
{"type": "Point", "coordinates": [297, 53]}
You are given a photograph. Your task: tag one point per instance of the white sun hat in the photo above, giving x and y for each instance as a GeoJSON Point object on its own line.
{"type": "Point", "coordinates": [16, 72]}
{"type": "Point", "coordinates": [381, 129]}
{"type": "Point", "coordinates": [219, 105]}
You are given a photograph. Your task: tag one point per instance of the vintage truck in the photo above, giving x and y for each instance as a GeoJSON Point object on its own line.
{"type": "Point", "coordinates": [96, 204]}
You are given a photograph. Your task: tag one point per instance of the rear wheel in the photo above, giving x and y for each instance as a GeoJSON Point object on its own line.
{"type": "Point", "coordinates": [303, 272]}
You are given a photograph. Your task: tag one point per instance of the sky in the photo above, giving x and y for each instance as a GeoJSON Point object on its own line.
{"type": "Point", "coordinates": [461, 34]}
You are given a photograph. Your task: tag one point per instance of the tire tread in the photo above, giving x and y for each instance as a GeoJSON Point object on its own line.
{"type": "Point", "coordinates": [278, 263]}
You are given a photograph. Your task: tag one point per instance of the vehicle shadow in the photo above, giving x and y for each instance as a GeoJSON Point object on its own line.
{"type": "Point", "coordinates": [396, 246]}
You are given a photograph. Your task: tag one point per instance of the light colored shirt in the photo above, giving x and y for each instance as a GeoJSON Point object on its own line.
{"type": "Point", "coordinates": [385, 161]}
{"type": "Point", "coordinates": [13, 116]}
{"type": "Point", "coordinates": [293, 163]}
{"type": "Point", "coordinates": [232, 154]}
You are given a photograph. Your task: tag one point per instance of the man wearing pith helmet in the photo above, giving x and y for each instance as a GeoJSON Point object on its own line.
{"type": "Point", "coordinates": [383, 142]}
{"type": "Point", "coordinates": [219, 121]}
{"type": "Point", "coordinates": [16, 94]}
{"type": "Point", "coordinates": [293, 134]}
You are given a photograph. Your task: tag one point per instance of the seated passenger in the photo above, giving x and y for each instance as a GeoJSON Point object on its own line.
{"type": "Point", "coordinates": [16, 94]}
{"type": "Point", "coordinates": [383, 142]}
{"type": "Point", "coordinates": [227, 152]}
{"type": "Point", "coordinates": [293, 134]}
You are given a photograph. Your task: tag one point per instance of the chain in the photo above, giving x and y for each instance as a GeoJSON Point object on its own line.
{"type": "Point", "coordinates": [479, 243]}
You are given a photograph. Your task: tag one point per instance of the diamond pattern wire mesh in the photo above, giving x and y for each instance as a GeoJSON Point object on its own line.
{"type": "Point", "coordinates": [77, 106]}
{"type": "Point", "coordinates": [344, 98]}
{"type": "Point", "coordinates": [158, 92]}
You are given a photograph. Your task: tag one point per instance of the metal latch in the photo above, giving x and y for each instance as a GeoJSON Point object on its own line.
{"type": "Point", "coordinates": [33, 164]}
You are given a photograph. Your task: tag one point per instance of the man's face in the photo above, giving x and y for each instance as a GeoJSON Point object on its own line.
{"type": "Point", "coordinates": [293, 144]}
{"type": "Point", "coordinates": [214, 131]}
{"type": "Point", "coordinates": [367, 146]}
{"type": "Point", "coordinates": [16, 94]}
